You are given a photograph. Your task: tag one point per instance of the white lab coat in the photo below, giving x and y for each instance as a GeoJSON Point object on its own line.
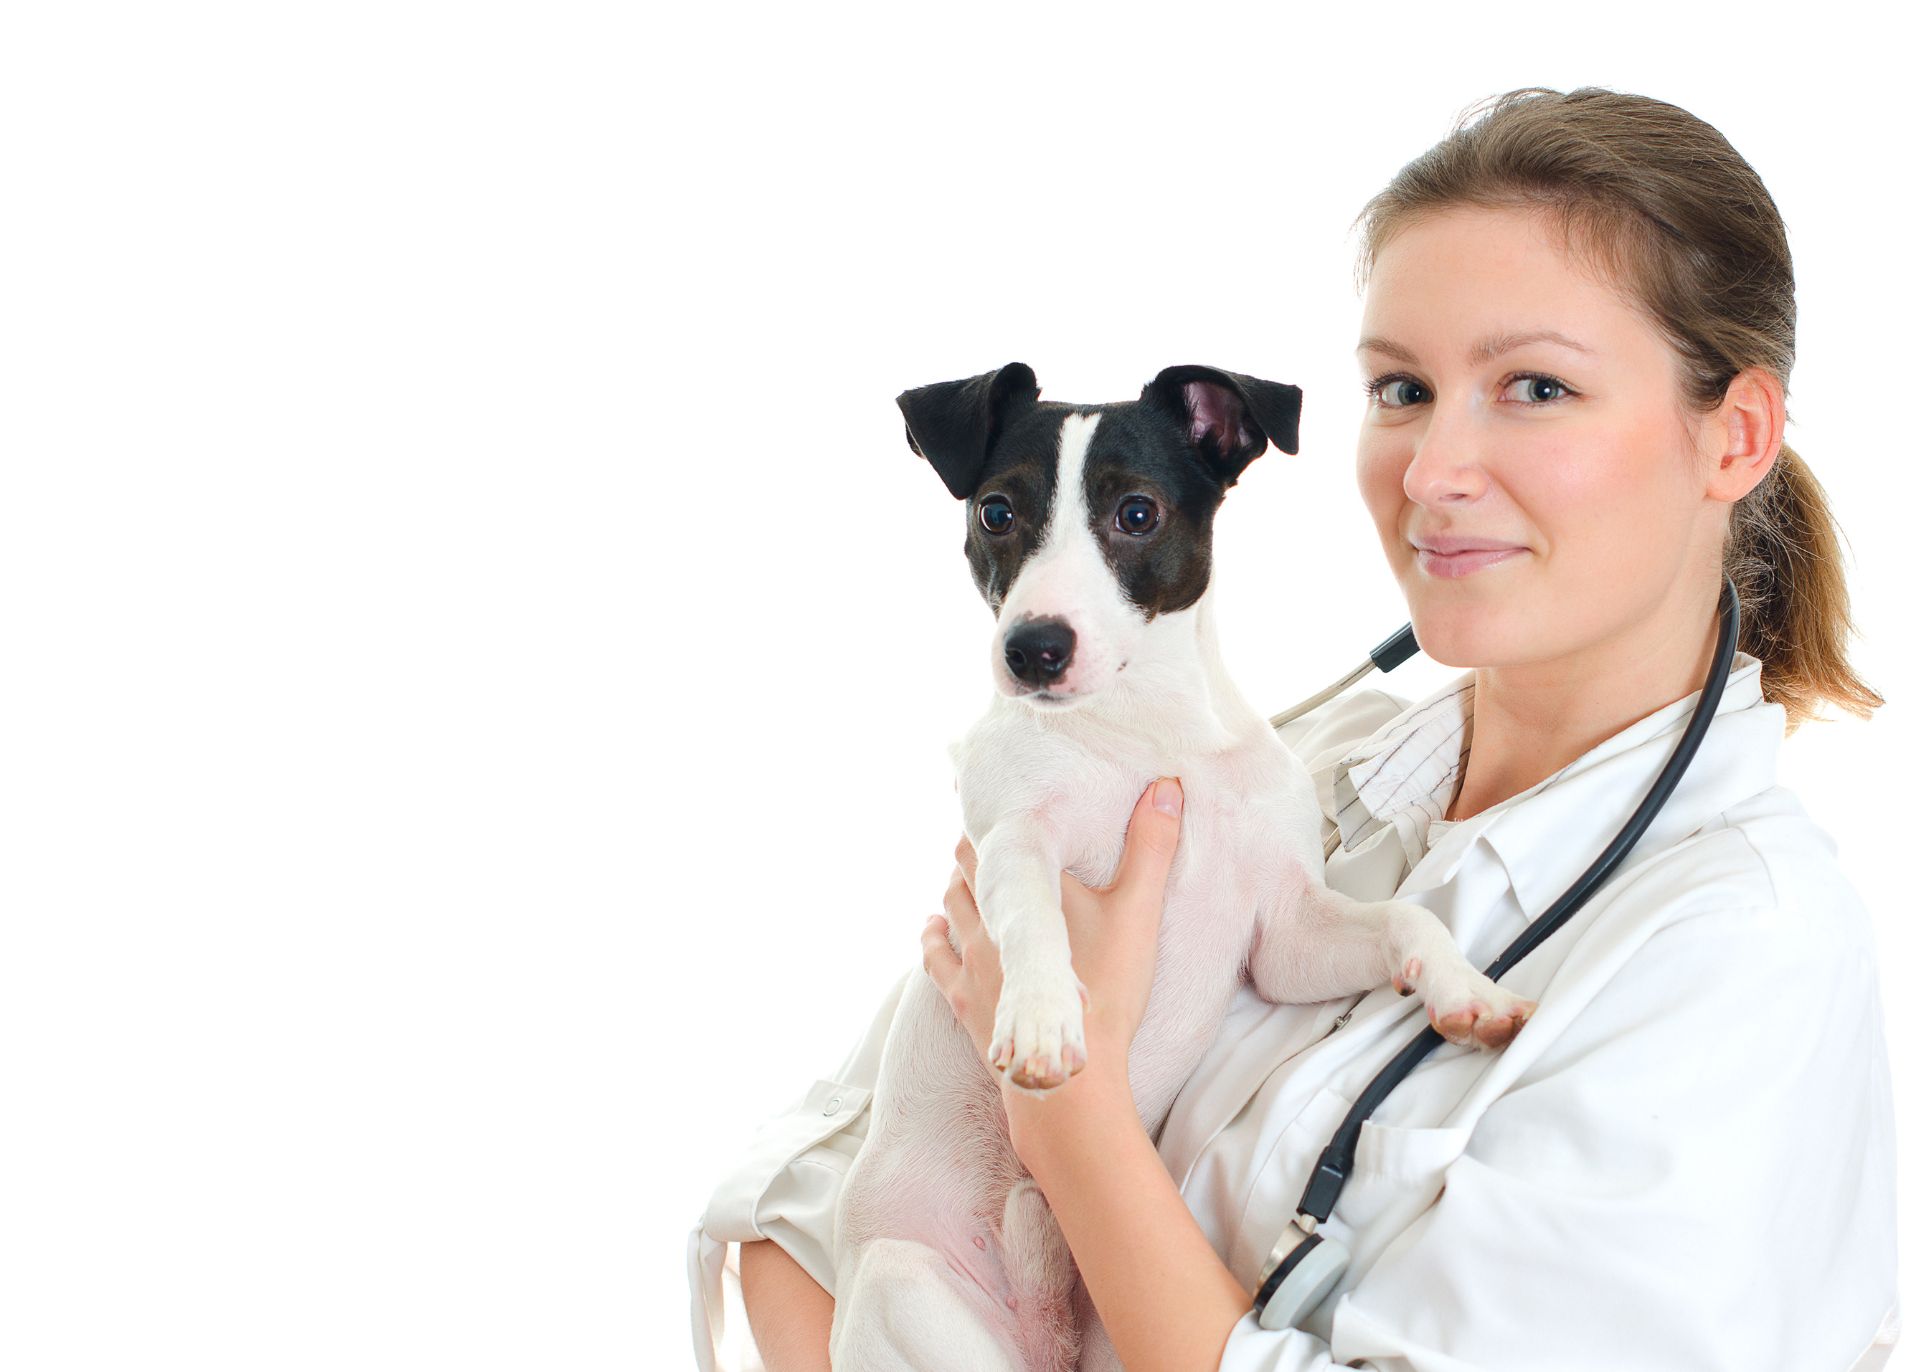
{"type": "Point", "coordinates": [1684, 1161]}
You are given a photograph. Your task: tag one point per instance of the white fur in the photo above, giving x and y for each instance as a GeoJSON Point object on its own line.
{"type": "Point", "coordinates": [938, 1237]}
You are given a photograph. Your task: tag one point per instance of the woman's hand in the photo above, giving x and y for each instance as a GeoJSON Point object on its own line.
{"type": "Point", "coordinates": [1112, 931]}
{"type": "Point", "coordinates": [964, 964]}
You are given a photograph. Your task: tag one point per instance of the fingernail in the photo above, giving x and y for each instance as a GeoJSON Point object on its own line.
{"type": "Point", "coordinates": [1166, 796]}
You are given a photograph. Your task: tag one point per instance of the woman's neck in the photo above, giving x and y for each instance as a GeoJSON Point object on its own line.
{"type": "Point", "coordinates": [1532, 719]}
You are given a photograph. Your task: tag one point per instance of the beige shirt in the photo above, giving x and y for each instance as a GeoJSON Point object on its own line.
{"type": "Point", "coordinates": [1685, 1160]}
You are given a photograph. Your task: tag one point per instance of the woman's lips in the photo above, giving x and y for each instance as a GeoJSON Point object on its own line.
{"type": "Point", "coordinates": [1451, 565]}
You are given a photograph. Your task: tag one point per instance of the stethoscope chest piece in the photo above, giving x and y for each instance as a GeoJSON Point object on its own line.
{"type": "Point", "coordinates": [1302, 1268]}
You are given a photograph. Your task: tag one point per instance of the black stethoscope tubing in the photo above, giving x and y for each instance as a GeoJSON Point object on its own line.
{"type": "Point", "coordinates": [1336, 1160]}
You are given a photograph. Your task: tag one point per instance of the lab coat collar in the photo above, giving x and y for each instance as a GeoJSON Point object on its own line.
{"type": "Point", "coordinates": [1547, 835]}
{"type": "Point", "coordinates": [1594, 795]}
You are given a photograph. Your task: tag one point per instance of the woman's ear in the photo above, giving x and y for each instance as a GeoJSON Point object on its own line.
{"type": "Point", "coordinates": [1228, 418]}
{"type": "Point", "coordinates": [1744, 434]}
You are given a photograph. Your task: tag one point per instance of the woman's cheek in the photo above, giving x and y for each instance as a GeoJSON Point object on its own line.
{"type": "Point", "coordinates": [1381, 479]}
{"type": "Point", "coordinates": [1599, 534]}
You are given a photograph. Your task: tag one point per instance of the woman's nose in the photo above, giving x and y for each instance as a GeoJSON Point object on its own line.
{"type": "Point", "coordinates": [1446, 466]}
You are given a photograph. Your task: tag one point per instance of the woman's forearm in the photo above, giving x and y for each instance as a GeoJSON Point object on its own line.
{"type": "Point", "coordinates": [1166, 1299]}
{"type": "Point", "coordinates": [789, 1311]}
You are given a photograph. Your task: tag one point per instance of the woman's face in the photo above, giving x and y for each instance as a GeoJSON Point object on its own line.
{"type": "Point", "coordinates": [1572, 452]}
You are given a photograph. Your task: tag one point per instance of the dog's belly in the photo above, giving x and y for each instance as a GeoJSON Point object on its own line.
{"type": "Point", "coordinates": [937, 1164]}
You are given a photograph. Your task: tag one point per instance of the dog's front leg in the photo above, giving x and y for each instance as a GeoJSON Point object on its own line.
{"type": "Point", "coordinates": [1315, 943]}
{"type": "Point", "coordinates": [1039, 1036]}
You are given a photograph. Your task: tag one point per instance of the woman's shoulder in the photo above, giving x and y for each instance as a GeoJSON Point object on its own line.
{"type": "Point", "coordinates": [1768, 863]}
{"type": "Point", "coordinates": [1800, 864]}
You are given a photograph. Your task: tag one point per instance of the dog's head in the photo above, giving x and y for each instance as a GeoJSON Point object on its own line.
{"type": "Point", "coordinates": [1088, 523]}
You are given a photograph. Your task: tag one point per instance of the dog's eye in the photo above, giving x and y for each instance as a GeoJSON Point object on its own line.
{"type": "Point", "coordinates": [1137, 515]}
{"type": "Point", "coordinates": [996, 515]}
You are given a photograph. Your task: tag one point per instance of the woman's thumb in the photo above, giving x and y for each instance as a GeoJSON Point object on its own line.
{"type": "Point", "coordinates": [1152, 836]}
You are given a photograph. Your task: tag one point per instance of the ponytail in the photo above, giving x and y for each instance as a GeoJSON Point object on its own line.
{"type": "Point", "coordinates": [1783, 553]}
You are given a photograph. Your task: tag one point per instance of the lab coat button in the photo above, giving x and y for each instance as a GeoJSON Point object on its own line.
{"type": "Point", "coordinates": [833, 1107]}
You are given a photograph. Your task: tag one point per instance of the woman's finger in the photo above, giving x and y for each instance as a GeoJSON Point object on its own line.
{"type": "Point", "coordinates": [961, 911]}
{"type": "Point", "coordinates": [936, 952]}
{"type": "Point", "coordinates": [1152, 836]}
{"type": "Point", "coordinates": [964, 855]}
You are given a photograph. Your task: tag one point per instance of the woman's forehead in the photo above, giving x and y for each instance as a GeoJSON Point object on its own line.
{"type": "Point", "coordinates": [1473, 283]}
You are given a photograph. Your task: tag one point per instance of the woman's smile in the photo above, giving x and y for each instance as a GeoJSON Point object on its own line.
{"type": "Point", "coordinates": [1456, 555]}
{"type": "Point", "coordinates": [1450, 565]}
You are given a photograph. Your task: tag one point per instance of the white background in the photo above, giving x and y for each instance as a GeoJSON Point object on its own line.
{"type": "Point", "coordinates": [476, 653]}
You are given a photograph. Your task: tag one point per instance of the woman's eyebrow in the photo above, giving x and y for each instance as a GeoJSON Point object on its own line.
{"type": "Point", "coordinates": [1484, 351]}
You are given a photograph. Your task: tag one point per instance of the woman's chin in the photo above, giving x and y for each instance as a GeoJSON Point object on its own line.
{"type": "Point", "coordinates": [1462, 637]}
{"type": "Point", "coordinates": [1459, 625]}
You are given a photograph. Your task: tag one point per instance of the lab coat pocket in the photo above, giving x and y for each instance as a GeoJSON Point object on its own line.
{"type": "Point", "coordinates": [827, 1108]}
{"type": "Point", "coordinates": [1398, 1171]}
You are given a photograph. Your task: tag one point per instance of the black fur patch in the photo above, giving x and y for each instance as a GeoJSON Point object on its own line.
{"type": "Point", "coordinates": [1138, 450]}
{"type": "Point", "coordinates": [1023, 468]}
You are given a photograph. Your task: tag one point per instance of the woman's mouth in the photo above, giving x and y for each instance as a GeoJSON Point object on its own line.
{"type": "Point", "coordinates": [1452, 565]}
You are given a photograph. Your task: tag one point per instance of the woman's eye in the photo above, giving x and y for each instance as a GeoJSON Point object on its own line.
{"type": "Point", "coordinates": [1396, 392]}
{"type": "Point", "coordinates": [996, 515]}
{"type": "Point", "coordinates": [1532, 388]}
{"type": "Point", "coordinates": [1137, 515]}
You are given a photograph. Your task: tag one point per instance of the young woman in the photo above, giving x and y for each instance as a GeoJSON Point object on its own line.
{"type": "Point", "coordinates": [1578, 326]}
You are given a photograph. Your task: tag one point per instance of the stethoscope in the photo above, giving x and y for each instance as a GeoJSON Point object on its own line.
{"type": "Point", "coordinates": [1306, 1264]}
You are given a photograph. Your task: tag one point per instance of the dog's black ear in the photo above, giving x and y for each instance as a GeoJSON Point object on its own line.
{"type": "Point", "coordinates": [1229, 418]}
{"type": "Point", "coordinates": [953, 423]}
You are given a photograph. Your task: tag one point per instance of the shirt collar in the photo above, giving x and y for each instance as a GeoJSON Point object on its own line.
{"type": "Point", "coordinates": [1549, 834]}
{"type": "Point", "coordinates": [1407, 766]}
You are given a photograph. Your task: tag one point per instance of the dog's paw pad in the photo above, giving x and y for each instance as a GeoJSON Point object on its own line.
{"type": "Point", "coordinates": [1467, 1007]}
{"type": "Point", "coordinates": [1483, 1021]}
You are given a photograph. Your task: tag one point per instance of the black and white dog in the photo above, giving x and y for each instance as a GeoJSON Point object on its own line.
{"type": "Point", "coordinates": [1089, 531]}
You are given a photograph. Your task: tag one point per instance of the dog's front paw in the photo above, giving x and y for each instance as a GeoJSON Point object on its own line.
{"type": "Point", "coordinates": [1464, 1004]}
{"type": "Point", "coordinates": [1039, 1037]}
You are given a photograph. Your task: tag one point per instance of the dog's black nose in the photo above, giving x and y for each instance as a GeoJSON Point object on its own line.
{"type": "Point", "coordinates": [1039, 650]}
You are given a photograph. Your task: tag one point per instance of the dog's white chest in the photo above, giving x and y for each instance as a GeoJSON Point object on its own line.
{"type": "Point", "coordinates": [1039, 801]}
{"type": "Point", "coordinates": [1248, 810]}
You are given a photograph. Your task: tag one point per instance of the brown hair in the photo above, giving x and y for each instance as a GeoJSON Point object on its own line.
{"type": "Point", "coordinates": [1660, 202]}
